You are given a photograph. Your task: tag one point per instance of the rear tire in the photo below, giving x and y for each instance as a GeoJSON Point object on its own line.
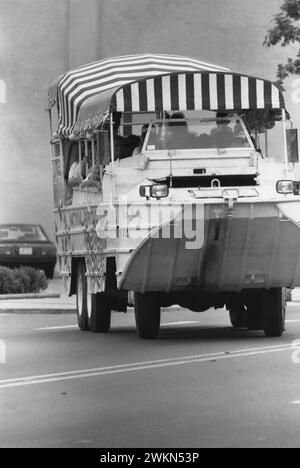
{"type": "Point", "coordinates": [99, 313]}
{"type": "Point", "coordinates": [274, 305]}
{"type": "Point", "coordinates": [81, 297]}
{"type": "Point", "coordinates": [147, 315]}
{"type": "Point", "coordinates": [238, 316]}
{"type": "Point", "coordinates": [254, 311]}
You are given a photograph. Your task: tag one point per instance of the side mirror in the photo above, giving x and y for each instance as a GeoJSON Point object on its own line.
{"type": "Point", "coordinates": [292, 145]}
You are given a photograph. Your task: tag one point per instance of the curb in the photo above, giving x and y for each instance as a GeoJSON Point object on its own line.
{"type": "Point", "coordinates": [37, 311]}
{"type": "Point", "coordinates": [8, 297]}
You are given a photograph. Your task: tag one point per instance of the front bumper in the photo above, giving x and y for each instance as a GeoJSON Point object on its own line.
{"type": "Point", "coordinates": [41, 263]}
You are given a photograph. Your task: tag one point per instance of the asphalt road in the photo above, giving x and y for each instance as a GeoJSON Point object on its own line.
{"type": "Point", "coordinates": [200, 384]}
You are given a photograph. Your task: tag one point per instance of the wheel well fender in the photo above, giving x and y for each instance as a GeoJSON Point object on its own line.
{"type": "Point", "coordinates": [110, 274]}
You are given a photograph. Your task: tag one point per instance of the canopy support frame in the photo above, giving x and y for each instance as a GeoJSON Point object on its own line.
{"type": "Point", "coordinates": [286, 155]}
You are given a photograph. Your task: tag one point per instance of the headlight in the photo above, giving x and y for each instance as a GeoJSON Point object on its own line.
{"type": "Point", "coordinates": [159, 191]}
{"type": "Point", "coordinates": [5, 251]}
{"type": "Point", "coordinates": [154, 191]}
{"type": "Point", "coordinates": [285, 186]}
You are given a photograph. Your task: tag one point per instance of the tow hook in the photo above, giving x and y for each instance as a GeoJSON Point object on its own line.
{"type": "Point", "coordinates": [230, 196]}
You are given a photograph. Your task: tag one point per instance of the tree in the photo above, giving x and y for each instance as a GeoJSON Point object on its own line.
{"type": "Point", "coordinates": [285, 30]}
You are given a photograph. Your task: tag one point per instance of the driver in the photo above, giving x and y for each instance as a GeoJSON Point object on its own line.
{"type": "Point", "coordinates": [177, 133]}
{"type": "Point", "coordinates": [222, 134]}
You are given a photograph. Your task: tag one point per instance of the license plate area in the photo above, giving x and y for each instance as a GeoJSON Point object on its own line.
{"type": "Point", "coordinates": [25, 251]}
{"type": "Point", "coordinates": [220, 192]}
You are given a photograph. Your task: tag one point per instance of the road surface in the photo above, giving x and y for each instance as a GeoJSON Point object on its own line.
{"type": "Point", "coordinates": [200, 384]}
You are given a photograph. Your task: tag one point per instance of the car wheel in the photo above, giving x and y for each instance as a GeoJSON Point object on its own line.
{"type": "Point", "coordinates": [254, 311]}
{"type": "Point", "coordinates": [274, 306]}
{"type": "Point", "coordinates": [99, 313]}
{"type": "Point", "coordinates": [147, 315]}
{"type": "Point", "coordinates": [237, 315]}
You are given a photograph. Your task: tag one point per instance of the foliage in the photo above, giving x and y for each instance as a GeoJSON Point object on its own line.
{"type": "Point", "coordinates": [285, 31]}
{"type": "Point", "coordinates": [22, 280]}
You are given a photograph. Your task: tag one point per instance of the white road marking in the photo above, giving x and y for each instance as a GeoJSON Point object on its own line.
{"type": "Point", "coordinates": [66, 327]}
{"type": "Point", "coordinates": [139, 366]}
{"type": "Point", "coordinates": [295, 402]}
{"type": "Point", "coordinates": [63, 327]}
{"type": "Point", "coordinates": [168, 324]}
{"type": "Point", "coordinates": [179, 323]}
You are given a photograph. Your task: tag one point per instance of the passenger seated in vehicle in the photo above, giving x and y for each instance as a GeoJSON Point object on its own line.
{"type": "Point", "coordinates": [177, 133]}
{"type": "Point", "coordinates": [205, 141]}
{"type": "Point", "coordinates": [132, 141]}
{"type": "Point", "coordinates": [119, 141]}
{"type": "Point", "coordinates": [71, 158]}
{"type": "Point", "coordinates": [240, 138]}
{"type": "Point", "coordinates": [153, 140]}
{"type": "Point", "coordinates": [75, 174]}
{"type": "Point", "coordinates": [222, 135]}
{"type": "Point", "coordinates": [93, 178]}
{"type": "Point", "coordinates": [138, 148]}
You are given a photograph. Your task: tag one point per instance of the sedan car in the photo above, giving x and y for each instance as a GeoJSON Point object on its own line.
{"type": "Point", "coordinates": [27, 245]}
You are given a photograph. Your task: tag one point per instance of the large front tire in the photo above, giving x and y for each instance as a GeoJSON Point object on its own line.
{"type": "Point", "coordinates": [273, 305]}
{"type": "Point", "coordinates": [147, 315]}
{"type": "Point", "coordinates": [81, 297]}
{"type": "Point", "coordinates": [99, 313]}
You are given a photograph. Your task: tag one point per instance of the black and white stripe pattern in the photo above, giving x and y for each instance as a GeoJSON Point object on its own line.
{"type": "Point", "coordinates": [151, 83]}
{"type": "Point", "coordinates": [183, 91]}
{"type": "Point", "coordinates": [71, 90]}
{"type": "Point", "coordinates": [198, 91]}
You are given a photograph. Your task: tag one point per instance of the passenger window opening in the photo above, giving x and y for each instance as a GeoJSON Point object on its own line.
{"type": "Point", "coordinates": [83, 168]}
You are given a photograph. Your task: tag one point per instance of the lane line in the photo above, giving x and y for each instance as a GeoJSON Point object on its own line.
{"type": "Point", "coordinates": [290, 346]}
{"type": "Point", "coordinates": [187, 322]}
{"type": "Point", "coordinates": [63, 327]}
{"type": "Point", "coordinates": [139, 366]}
{"type": "Point", "coordinates": [295, 402]}
{"type": "Point", "coordinates": [66, 327]}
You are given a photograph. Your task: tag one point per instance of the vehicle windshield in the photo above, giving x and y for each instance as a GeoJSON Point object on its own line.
{"type": "Point", "coordinates": [201, 134]}
{"type": "Point", "coordinates": [22, 233]}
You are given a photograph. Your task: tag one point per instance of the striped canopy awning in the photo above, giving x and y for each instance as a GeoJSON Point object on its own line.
{"type": "Point", "coordinates": [92, 86]}
{"type": "Point", "coordinates": [149, 83]}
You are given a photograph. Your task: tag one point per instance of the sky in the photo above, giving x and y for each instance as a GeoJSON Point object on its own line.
{"type": "Point", "coordinates": [39, 39]}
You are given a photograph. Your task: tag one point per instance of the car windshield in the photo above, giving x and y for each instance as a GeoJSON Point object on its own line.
{"type": "Point", "coordinates": [201, 134]}
{"type": "Point", "coordinates": [21, 233]}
